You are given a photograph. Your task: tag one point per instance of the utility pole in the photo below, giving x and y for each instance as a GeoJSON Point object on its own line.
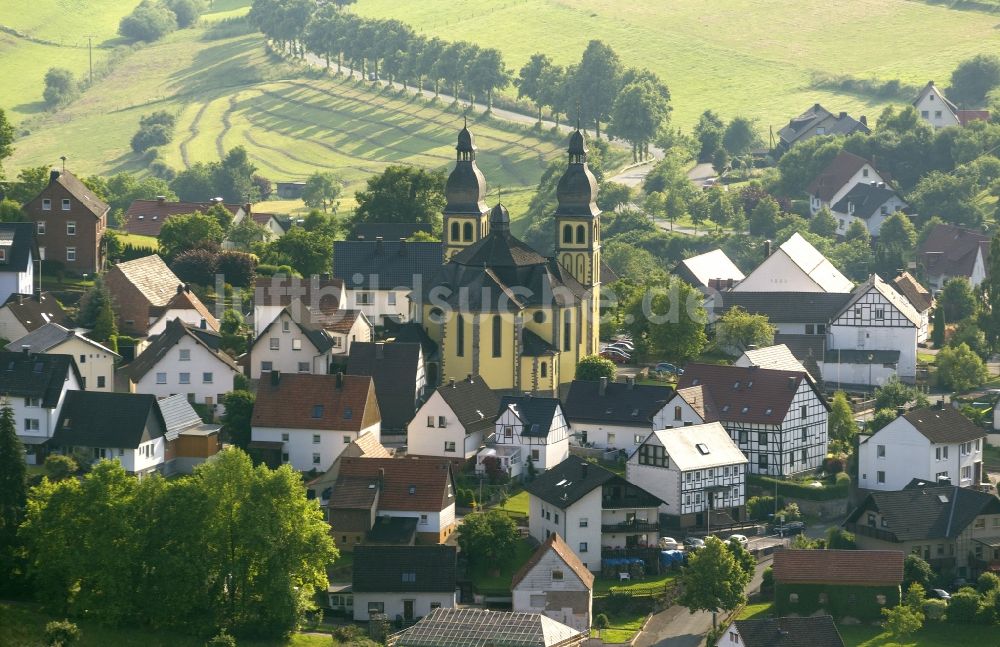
{"type": "Point", "coordinates": [90, 57]}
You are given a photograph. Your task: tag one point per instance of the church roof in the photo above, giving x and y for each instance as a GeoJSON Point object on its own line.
{"type": "Point", "coordinates": [465, 190]}
{"type": "Point", "coordinates": [576, 192]}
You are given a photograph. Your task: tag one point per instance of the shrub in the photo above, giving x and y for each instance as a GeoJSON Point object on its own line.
{"type": "Point", "coordinates": [934, 609]}
{"type": "Point", "coordinates": [266, 269]}
{"type": "Point", "coordinates": [60, 87]}
{"type": "Point", "coordinates": [196, 266]}
{"type": "Point", "coordinates": [964, 606]}
{"type": "Point", "coordinates": [761, 507]}
{"type": "Point", "coordinates": [221, 639]}
{"type": "Point", "coordinates": [987, 582]}
{"type": "Point", "coordinates": [237, 268]}
{"type": "Point", "coordinates": [61, 633]}
{"type": "Point", "coordinates": [148, 137]}
{"type": "Point", "coordinates": [185, 12]}
{"type": "Point", "coordinates": [767, 579]}
{"type": "Point", "coordinates": [833, 465]}
{"type": "Point", "coordinates": [148, 22]}
{"type": "Point", "coordinates": [601, 621]}
{"type": "Point", "coordinates": [59, 467]}
{"type": "Point", "coordinates": [843, 479]}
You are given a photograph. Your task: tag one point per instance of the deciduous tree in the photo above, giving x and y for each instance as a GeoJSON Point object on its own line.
{"type": "Point", "coordinates": [488, 537]}
{"type": "Point", "coordinates": [594, 367]}
{"type": "Point", "coordinates": [737, 330]}
{"type": "Point", "coordinates": [957, 299]}
{"type": "Point", "coordinates": [842, 427]}
{"type": "Point", "coordinates": [714, 580]}
{"type": "Point", "coordinates": [973, 79]}
{"type": "Point", "coordinates": [190, 231]}
{"type": "Point", "coordinates": [322, 190]}
{"type": "Point", "coordinates": [960, 369]}
{"type": "Point", "coordinates": [6, 139]}
{"type": "Point", "coordinates": [402, 194]}
{"type": "Point", "coordinates": [668, 319]}
{"type": "Point", "coordinates": [13, 499]}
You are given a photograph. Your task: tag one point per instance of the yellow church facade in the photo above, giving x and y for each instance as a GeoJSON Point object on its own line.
{"type": "Point", "coordinates": [498, 308]}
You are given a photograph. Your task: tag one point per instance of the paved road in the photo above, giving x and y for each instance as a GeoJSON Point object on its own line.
{"type": "Point", "coordinates": [677, 627]}
{"type": "Point", "coordinates": [700, 173]}
{"type": "Point", "coordinates": [635, 175]}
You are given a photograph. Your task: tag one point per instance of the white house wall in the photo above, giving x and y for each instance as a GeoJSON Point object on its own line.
{"type": "Point", "coordinates": [668, 417]}
{"type": "Point", "coordinates": [286, 359]}
{"type": "Point", "coordinates": [394, 603]}
{"type": "Point", "coordinates": [300, 447]}
{"type": "Point", "coordinates": [202, 361]}
{"type": "Point", "coordinates": [935, 111]}
{"type": "Point", "coordinates": [379, 305]}
{"type": "Point", "coordinates": [778, 274]}
{"type": "Point", "coordinates": [425, 440]}
{"type": "Point", "coordinates": [864, 175]}
{"type": "Point", "coordinates": [568, 525]}
{"type": "Point", "coordinates": [551, 450]}
{"type": "Point", "coordinates": [538, 582]}
{"type": "Point", "coordinates": [874, 223]}
{"type": "Point", "coordinates": [609, 436]}
{"type": "Point", "coordinates": [909, 455]}
{"type": "Point", "coordinates": [858, 328]}
{"type": "Point", "coordinates": [187, 315]}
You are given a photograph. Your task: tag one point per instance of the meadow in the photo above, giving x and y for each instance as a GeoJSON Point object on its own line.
{"type": "Point", "coordinates": [229, 91]}
{"type": "Point", "coordinates": [748, 57]}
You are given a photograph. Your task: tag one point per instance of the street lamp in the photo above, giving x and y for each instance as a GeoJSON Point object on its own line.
{"type": "Point", "coordinates": [871, 356]}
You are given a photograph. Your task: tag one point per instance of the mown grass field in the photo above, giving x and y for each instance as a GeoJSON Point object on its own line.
{"type": "Point", "coordinates": [293, 121]}
{"type": "Point", "coordinates": [737, 57]}
{"type": "Point", "coordinates": [23, 625]}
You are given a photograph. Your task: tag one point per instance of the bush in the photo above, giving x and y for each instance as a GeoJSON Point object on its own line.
{"type": "Point", "coordinates": [833, 465]}
{"type": "Point", "coordinates": [148, 22]}
{"type": "Point", "coordinates": [762, 507]}
{"type": "Point", "coordinates": [60, 87]}
{"type": "Point", "coordinates": [987, 582]}
{"type": "Point", "coordinates": [803, 490]}
{"type": "Point", "coordinates": [61, 633]}
{"type": "Point", "coordinates": [964, 606]}
{"type": "Point", "coordinates": [843, 479]}
{"type": "Point", "coordinates": [196, 266]}
{"type": "Point", "coordinates": [601, 621]}
{"type": "Point", "coordinates": [266, 269]}
{"type": "Point", "coordinates": [767, 579]}
{"type": "Point", "coordinates": [148, 137]}
{"type": "Point", "coordinates": [934, 609]}
{"type": "Point", "coordinates": [221, 639]}
{"type": "Point", "coordinates": [186, 12]}
{"type": "Point", "coordinates": [237, 268]}
{"type": "Point", "coordinates": [59, 467]}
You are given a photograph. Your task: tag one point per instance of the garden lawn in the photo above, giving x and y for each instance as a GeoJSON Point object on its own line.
{"type": "Point", "coordinates": [736, 57]}
{"type": "Point", "coordinates": [934, 634]}
{"type": "Point", "coordinates": [138, 240]}
{"type": "Point", "coordinates": [622, 627]}
{"type": "Point", "coordinates": [498, 583]}
{"type": "Point", "coordinates": [648, 585]}
{"type": "Point", "coordinates": [750, 611]}
{"type": "Point", "coordinates": [517, 504]}
{"type": "Point", "coordinates": [23, 625]}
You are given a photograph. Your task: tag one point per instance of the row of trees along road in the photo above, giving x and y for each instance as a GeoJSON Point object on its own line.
{"type": "Point", "coordinates": [634, 102]}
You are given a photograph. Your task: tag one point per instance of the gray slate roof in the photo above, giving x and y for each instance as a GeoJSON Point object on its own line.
{"type": "Point", "coordinates": [17, 239]}
{"type": "Point", "coordinates": [621, 404]}
{"type": "Point", "coordinates": [944, 425]}
{"type": "Point", "coordinates": [36, 376]}
{"type": "Point", "coordinates": [940, 512]}
{"type": "Point", "coordinates": [385, 265]}
{"type": "Point", "coordinates": [387, 230]}
{"type": "Point", "coordinates": [817, 631]}
{"type": "Point", "coordinates": [532, 345]}
{"type": "Point", "coordinates": [35, 311]}
{"type": "Point", "coordinates": [473, 402]}
{"type": "Point", "coordinates": [785, 307]}
{"type": "Point", "coordinates": [380, 569]}
{"type": "Point", "coordinates": [178, 415]}
{"type": "Point", "coordinates": [100, 419]}
{"type": "Point", "coordinates": [171, 335]}
{"type": "Point", "coordinates": [574, 478]}
{"type": "Point", "coordinates": [49, 335]}
{"type": "Point", "coordinates": [866, 200]}
{"type": "Point", "coordinates": [394, 374]}
{"type": "Point", "coordinates": [536, 413]}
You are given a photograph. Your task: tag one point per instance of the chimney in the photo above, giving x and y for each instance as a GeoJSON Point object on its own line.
{"type": "Point", "coordinates": [378, 244]}
{"type": "Point", "coordinates": [379, 350]}
{"type": "Point", "coordinates": [843, 115]}
{"type": "Point", "coordinates": [939, 404]}
{"type": "Point", "coordinates": [180, 288]}
{"type": "Point", "coordinates": [602, 387]}
{"type": "Point", "coordinates": [881, 185]}
{"type": "Point", "coordinates": [53, 175]}
{"type": "Point", "coordinates": [381, 477]}
{"type": "Point", "coordinates": [275, 378]}
{"type": "Point", "coordinates": [900, 411]}
{"type": "Point", "coordinates": [451, 383]}
{"type": "Point", "coordinates": [340, 380]}
{"type": "Point", "coordinates": [767, 248]}
{"type": "Point", "coordinates": [402, 247]}
{"type": "Point", "coordinates": [583, 469]}
{"type": "Point", "coordinates": [216, 200]}
{"type": "Point", "coordinates": [630, 381]}
{"type": "Point", "coordinates": [26, 349]}
{"type": "Point", "coordinates": [20, 299]}
{"type": "Point", "coordinates": [864, 120]}
{"type": "Point", "coordinates": [791, 382]}
{"type": "Point", "coordinates": [361, 236]}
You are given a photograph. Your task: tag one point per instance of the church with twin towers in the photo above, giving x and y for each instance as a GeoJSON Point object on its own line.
{"type": "Point", "coordinates": [500, 309]}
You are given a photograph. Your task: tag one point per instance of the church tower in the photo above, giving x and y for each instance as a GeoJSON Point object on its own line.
{"type": "Point", "coordinates": [466, 216]}
{"type": "Point", "coordinates": [578, 222]}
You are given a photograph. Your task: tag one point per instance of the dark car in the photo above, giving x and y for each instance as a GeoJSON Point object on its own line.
{"type": "Point", "coordinates": [789, 529]}
{"type": "Point", "coordinates": [693, 543]}
{"type": "Point", "coordinates": [940, 594]}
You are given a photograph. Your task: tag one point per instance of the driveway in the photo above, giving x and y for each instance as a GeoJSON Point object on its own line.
{"type": "Point", "coordinates": [700, 173]}
{"type": "Point", "coordinates": [678, 627]}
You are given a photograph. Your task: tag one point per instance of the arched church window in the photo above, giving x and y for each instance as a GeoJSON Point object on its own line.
{"type": "Point", "coordinates": [497, 336]}
{"type": "Point", "coordinates": [581, 234]}
{"type": "Point", "coordinates": [544, 369]}
{"type": "Point", "coordinates": [581, 266]}
{"type": "Point", "coordinates": [568, 234]}
{"type": "Point", "coordinates": [455, 230]}
{"type": "Point", "coordinates": [467, 231]}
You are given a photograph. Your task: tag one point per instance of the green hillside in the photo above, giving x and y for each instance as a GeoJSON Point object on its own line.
{"type": "Point", "coordinates": [229, 91]}
{"type": "Point", "coordinates": [747, 57]}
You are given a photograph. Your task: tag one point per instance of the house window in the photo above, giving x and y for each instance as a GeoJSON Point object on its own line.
{"type": "Point", "coordinates": [762, 462]}
{"type": "Point", "coordinates": [926, 114]}
{"type": "Point", "coordinates": [967, 473]}
{"type": "Point", "coordinates": [805, 456]}
{"type": "Point", "coordinates": [743, 436]}
{"type": "Point", "coordinates": [449, 446]}
{"type": "Point", "coordinates": [937, 114]}
{"type": "Point", "coordinates": [364, 298]}
{"type": "Point", "coordinates": [557, 517]}
{"type": "Point", "coordinates": [880, 476]}
{"type": "Point", "coordinates": [677, 413]}
{"type": "Point", "coordinates": [266, 367]}
{"type": "Point", "coordinates": [584, 522]}
{"type": "Point", "coordinates": [185, 354]}
{"type": "Point", "coordinates": [71, 228]}
{"type": "Point", "coordinates": [810, 329]}
{"type": "Point", "coordinates": [879, 313]}
{"type": "Point", "coordinates": [937, 453]}
{"type": "Point", "coordinates": [31, 424]}
{"type": "Point", "coordinates": [762, 438]}
{"type": "Point", "coordinates": [508, 432]}
{"type": "Point", "coordinates": [654, 455]}
{"type": "Point", "coordinates": [32, 402]}
{"type": "Point", "coordinates": [534, 455]}
{"type": "Point", "coordinates": [347, 440]}
{"type": "Point", "coordinates": [100, 381]}
{"type": "Point", "coordinates": [185, 378]}
{"type": "Point", "coordinates": [83, 359]}
{"type": "Point", "coordinates": [65, 207]}
{"type": "Point", "coordinates": [161, 378]}
{"type": "Point", "coordinates": [296, 344]}
{"type": "Point", "coordinates": [543, 369]}
{"type": "Point", "coordinates": [315, 459]}
{"type": "Point", "coordinates": [46, 204]}
{"type": "Point", "coordinates": [284, 457]}
{"type": "Point", "coordinates": [804, 433]}
{"type": "Point", "coordinates": [40, 227]}
{"type": "Point", "coordinates": [206, 378]}
{"type": "Point", "coordinates": [497, 336]}
{"type": "Point", "coordinates": [880, 451]}
{"type": "Point", "coordinates": [286, 325]}
{"type": "Point", "coordinates": [409, 576]}
{"type": "Point", "coordinates": [71, 253]}
{"type": "Point", "coordinates": [284, 437]}
{"type": "Point", "coordinates": [275, 343]}
{"type": "Point", "coordinates": [390, 298]}
{"type": "Point", "coordinates": [467, 232]}
{"type": "Point", "coordinates": [423, 520]}
{"type": "Point", "coordinates": [455, 232]}
{"type": "Point", "coordinates": [583, 546]}
{"type": "Point", "coordinates": [303, 367]}
{"type": "Point", "coordinates": [804, 411]}
{"type": "Point", "coordinates": [557, 575]}
{"type": "Point", "coordinates": [376, 607]}
{"type": "Point", "coordinates": [430, 421]}
{"type": "Point", "coordinates": [317, 411]}
{"type": "Point", "coordinates": [864, 172]}
{"type": "Point", "coordinates": [315, 439]}
{"type": "Point", "coordinates": [442, 422]}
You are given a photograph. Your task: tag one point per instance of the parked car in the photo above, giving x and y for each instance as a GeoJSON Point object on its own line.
{"type": "Point", "coordinates": [740, 539]}
{"type": "Point", "coordinates": [693, 543]}
{"type": "Point", "coordinates": [622, 347]}
{"type": "Point", "coordinates": [624, 343]}
{"type": "Point", "coordinates": [940, 594]}
{"type": "Point", "coordinates": [617, 358]}
{"type": "Point", "coordinates": [789, 529]}
{"type": "Point", "coordinates": [667, 543]}
{"type": "Point", "coordinates": [667, 367]}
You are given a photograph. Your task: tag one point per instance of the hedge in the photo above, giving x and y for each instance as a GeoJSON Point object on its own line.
{"type": "Point", "coordinates": [797, 490]}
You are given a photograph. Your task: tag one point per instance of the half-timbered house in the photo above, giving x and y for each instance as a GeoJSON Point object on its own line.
{"type": "Point", "coordinates": [777, 418]}
{"type": "Point", "coordinates": [533, 427]}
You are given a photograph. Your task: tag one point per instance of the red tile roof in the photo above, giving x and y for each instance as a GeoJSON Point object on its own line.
{"type": "Point", "coordinates": [146, 217]}
{"type": "Point", "coordinates": [951, 251]}
{"type": "Point", "coordinates": [409, 484]}
{"type": "Point", "coordinates": [868, 567]}
{"type": "Point", "coordinates": [745, 394]}
{"type": "Point", "coordinates": [290, 401]}
{"type": "Point", "coordinates": [965, 116]}
{"type": "Point", "coordinates": [187, 300]}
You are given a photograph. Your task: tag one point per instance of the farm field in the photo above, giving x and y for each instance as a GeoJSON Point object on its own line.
{"type": "Point", "coordinates": [228, 92]}
{"type": "Point", "coordinates": [738, 57]}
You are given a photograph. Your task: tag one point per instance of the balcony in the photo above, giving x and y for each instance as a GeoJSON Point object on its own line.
{"type": "Point", "coordinates": [637, 525]}
{"type": "Point", "coordinates": [870, 531]}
